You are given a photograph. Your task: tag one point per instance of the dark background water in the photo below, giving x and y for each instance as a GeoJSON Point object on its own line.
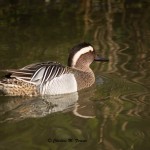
{"type": "Point", "coordinates": [113, 114]}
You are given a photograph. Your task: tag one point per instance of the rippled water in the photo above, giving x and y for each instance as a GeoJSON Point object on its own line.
{"type": "Point", "coordinates": [114, 113]}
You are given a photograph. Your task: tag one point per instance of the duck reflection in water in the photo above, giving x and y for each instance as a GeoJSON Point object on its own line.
{"type": "Point", "coordinates": [18, 108]}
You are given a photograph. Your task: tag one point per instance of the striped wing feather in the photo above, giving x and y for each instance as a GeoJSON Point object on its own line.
{"type": "Point", "coordinates": [39, 73]}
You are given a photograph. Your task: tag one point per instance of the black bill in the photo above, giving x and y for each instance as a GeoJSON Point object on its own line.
{"type": "Point", "coordinates": [97, 58]}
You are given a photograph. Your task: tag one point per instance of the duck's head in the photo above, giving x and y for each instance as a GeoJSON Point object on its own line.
{"type": "Point", "coordinates": [82, 55]}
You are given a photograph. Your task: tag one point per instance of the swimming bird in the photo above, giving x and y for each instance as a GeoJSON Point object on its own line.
{"type": "Point", "coordinates": [52, 78]}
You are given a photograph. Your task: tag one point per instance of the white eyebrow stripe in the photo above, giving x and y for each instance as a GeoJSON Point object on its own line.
{"type": "Point", "coordinates": [80, 52]}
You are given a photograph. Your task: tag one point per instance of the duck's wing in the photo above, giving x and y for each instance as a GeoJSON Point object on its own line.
{"type": "Point", "coordinates": [38, 73]}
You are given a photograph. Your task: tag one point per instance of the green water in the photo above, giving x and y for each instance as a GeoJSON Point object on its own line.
{"type": "Point", "coordinates": [113, 114]}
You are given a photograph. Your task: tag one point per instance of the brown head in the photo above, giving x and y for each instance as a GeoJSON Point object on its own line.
{"type": "Point", "coordinates": [82, 55]}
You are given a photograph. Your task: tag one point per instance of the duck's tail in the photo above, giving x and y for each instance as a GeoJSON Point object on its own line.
{"type": "Point", "coordinates": [5, 88]}
{"type": "Point", "coordinates": [14, 87]}
{"type": "Point", "coordinates": [2, 92]}
{"type": "Point", "coordinates": [1, 87]}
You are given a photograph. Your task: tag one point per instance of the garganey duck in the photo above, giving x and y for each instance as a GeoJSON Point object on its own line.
{"type": "Point", "coordinates": [51, 78]}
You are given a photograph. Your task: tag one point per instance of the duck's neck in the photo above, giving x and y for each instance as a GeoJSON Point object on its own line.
{"type": "Point", "coordinates": [82, 67]}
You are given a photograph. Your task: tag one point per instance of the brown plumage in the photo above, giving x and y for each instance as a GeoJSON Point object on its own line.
{"type": "Point", "coordinates": [51, 77]}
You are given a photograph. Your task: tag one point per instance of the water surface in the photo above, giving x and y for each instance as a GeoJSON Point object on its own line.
{"type": "Point", "coordinates": [114, 113]}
